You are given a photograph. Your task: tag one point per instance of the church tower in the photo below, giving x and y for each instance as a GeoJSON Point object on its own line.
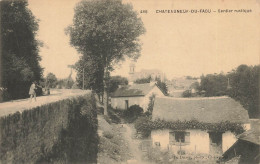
{"type": "Point", "coordinates": [131, 73]}
{"type": "Point", "coordinates": [132, 68]}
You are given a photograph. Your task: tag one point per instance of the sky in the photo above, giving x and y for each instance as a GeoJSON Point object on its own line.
{"type": "Point", "coordinates": [178, 44]}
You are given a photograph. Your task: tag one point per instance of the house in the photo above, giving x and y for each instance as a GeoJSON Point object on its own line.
{"type": "Point", "coordinates": [136, 94]}
{"type": "Point", "coordinates": [247, 147]}
{"type": "Point", "coordinates": [210, 113]}
{"type": "Point", "coordinates": [144, 73]}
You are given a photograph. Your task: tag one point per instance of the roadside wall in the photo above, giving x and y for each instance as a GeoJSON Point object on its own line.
{"type": "Point", "coordinates": [60, 132]}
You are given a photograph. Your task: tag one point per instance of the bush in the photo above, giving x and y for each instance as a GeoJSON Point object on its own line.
{"type": "Point", "coordinates": [142, 125]}
{"type": "Point", "coordinates": [132, 113]}
{"type": "Point", "coordinates": [186, 93]}
{"type": "Point", "coordinates": [113, 116]}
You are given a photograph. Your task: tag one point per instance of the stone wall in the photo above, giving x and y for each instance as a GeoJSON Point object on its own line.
{"type": "Point", "coordinates": [62, 131]}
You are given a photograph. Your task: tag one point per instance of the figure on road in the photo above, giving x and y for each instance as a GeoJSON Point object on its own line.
{"type": "Point", "coordinates": [32, 91]}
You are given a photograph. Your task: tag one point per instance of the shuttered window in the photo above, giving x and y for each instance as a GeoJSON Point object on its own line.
{"type": "Point", "coordinates": [179, 137]}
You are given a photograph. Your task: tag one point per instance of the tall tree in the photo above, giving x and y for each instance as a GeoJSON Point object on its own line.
{"type": "Point", "coordinates": [106, 31]}
{"type": "Point", "coordinates": [244, 83]}
{"type": "Point", "coordinates": [92, 72]}
{"type": "Point", "coordinates": [19, 47]}
{"type": "Point", "coordinates": [115, 81]}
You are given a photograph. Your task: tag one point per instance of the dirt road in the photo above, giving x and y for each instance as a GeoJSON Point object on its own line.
{"type": "Point", "coordinates": [10, 107]}
{"type": "Point", "coordinates": [133, 145]}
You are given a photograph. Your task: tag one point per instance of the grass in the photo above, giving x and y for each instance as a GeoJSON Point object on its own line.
{"type": "Point", "coordinates": [112, 147]}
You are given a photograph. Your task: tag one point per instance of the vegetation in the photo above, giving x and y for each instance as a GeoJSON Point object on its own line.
{"type": "Point", "coordinates": [51, 80]}
{"type": "Point", "coordinates": [132, 113]}
{"type": "Point", "coordinates": [145, 125]}
{"type": "Point", "coordinates": [20, 49]}
{"type": "Point", "coordinates": [187, 93]}
{"type": "Point", "coordinates": [143, 80]}
{"type": "Point", "coordinates": [105, 32]}
{"type": "Point", "coordinates": [243, 86]}
{"type": "Point", "coordinates": [115, 81]}
{"type": "Point", "coordinates": [150, 105]}
{"type": "Point", "coordinates": [61, 132]}
{"type": "Point", "coordinates": [112, 147]}
{"type": "Point", "coordinates": [67, 83]}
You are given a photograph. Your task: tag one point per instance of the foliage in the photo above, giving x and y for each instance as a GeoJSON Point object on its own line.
{"type": "Point", "coordinates": [186, 93]}
{"type": "Point", "coordinates": [93, 74]}
{"type": "Point", "coordinates": [20, 48]}
{"type": "Point", "coordinates": [143, 80]}
{"type": "Point", "coordinates": [60, 132]}
{"type": "Point", "coordinates": [145, 125]}
{"type": "Point", "coordinates": [243, 86]}
{"type": "Point", "coordinates": [105, 31]}
{"type": "Point", "coordinates": [214, 85]}
{"type": "Point", "coordinates": [132, 113]}
{"type": "Point", "coordinates": [112, 148]}
{"type": "Point", "coordinates": [151, 104]}
{"type": "Point", "coordinates": [244, 82]}
{"type": "Point", "coordinates": [115, 81]}
{"type": "Point", "coordinates": [162, 85]}
{"type": "Point", "coordinates": [65, 83]}
{"type": "Point", "coordinates": [115, 118]}
{"type": "Point", "coordinates": [51, 80]}
{"type": "Point", "coordinates": [78, 142]}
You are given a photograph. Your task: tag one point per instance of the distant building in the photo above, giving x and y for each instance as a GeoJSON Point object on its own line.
{"type": "Point", "coordinates": [205, 110]}
{"type": "Point", "coordinates": [136, 94]}
{"type": "Point", "coordinates": [144, 73]}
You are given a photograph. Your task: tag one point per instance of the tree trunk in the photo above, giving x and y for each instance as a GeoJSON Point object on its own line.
{"type": "Point", "coordinates": [105, 97]}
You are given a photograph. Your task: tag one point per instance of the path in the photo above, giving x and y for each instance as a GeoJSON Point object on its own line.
{"type": "Point", "coordinates": [11, 107]}
{"type": "Point", "coordinates": [133, 145]}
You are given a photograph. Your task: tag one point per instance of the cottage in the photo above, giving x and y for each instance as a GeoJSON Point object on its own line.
{"type": "Point", "coordinates": [209, 112]}
{"type": "Point", "coordinates": [136, 94]}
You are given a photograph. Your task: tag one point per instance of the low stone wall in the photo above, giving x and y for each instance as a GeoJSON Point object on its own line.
{"type": "Point", "coordinates": [60, 132]}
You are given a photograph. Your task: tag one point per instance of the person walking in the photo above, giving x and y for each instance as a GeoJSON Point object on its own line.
{"type": "Point", "coordinates": [32, 91]}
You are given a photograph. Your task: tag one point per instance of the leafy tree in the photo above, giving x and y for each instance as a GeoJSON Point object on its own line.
{"type": "Point", "coordinates": [51, 80]}
{"type": "Point", "coordinates": [214, 84]}
{"type": "Point", "coordinates": [244, 82]}
{"type": "Point", "coordinates": [115, 81]}
{"type": "Point", "coordinates": [93, 74]}
{"type": "Point", "coordinates": [106, 31]}
{"type": "Point", "coordinates": [20, 58]}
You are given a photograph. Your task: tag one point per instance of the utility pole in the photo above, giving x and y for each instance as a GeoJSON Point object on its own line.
{"type": "Point", "coordinates": [83, 87]}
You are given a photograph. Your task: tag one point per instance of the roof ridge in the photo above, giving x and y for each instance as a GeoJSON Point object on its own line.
{"type": "Point", "coordinates": [194, 98]}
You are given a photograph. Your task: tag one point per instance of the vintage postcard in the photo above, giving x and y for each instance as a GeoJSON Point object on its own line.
{"type": "Point", "coordinates": [129, 81]}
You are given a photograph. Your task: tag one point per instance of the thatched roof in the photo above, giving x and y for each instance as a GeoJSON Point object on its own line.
{"type": "Point", "coordinates": [133, 90]}
{"type": "Point", "coordinates": [209, 110]}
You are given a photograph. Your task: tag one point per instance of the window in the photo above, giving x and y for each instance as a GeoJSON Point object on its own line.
{"type": "Point", "coordinates": [179, 137]}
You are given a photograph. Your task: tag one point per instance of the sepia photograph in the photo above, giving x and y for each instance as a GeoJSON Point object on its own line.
{"type": "Point", "coordinates": [130, 81]}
